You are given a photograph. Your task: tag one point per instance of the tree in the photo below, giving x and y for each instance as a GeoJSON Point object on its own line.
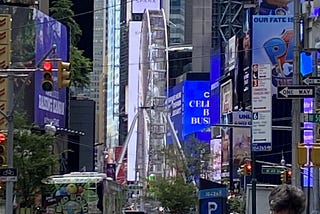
{"type": "Point", "coordinates": [175, 194]}
{"type": "Point", "coordinates": [81, 66]}
{"type": "Point", "coordinates": [33, 158]}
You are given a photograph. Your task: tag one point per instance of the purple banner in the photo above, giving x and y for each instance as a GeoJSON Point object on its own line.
{"type": "Point", "coordinates": [50, 107]}
{"type": "Point", "coordinates": [215, 87]}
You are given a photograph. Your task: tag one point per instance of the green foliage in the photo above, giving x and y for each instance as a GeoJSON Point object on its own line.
{"type": "Point", "coordinates": [33, 159]}
{"type": "Point", "coordinates": [61, 10]}
{"type": "Point", "coordinates": [81, 66]}
{"type": "Point", "coordinates": [197, 155]}
{"type": "Point", "coordinates": [175, 194]}
{"type": "Point", "coordinates": [80, 69]}
{"type": "Point", "coordinates": [237, 204]}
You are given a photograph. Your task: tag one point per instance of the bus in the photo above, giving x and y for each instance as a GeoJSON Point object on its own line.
{"type": "Point", "coordinates": [83, 193]}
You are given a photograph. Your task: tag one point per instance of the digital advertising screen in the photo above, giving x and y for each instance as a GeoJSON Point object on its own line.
{"type": "Point", "coordinates": [196, 105]}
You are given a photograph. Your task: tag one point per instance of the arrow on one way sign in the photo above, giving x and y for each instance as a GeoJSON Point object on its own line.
{"type": "Point", "coordinates": [312, 81]}
{"type": "Point", "coordinates": [295, 92]}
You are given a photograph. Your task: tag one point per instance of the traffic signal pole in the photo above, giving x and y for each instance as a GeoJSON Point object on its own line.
{"type": "Point", "coordinates": [9, 184]}
{"type": "Point", "coordinates": [296, 108]}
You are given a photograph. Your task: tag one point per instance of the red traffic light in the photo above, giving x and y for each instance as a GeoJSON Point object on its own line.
{"type": "Point", "coordinates": [3, 138]}
{"type": "Point", "coordinates": [47, 66]}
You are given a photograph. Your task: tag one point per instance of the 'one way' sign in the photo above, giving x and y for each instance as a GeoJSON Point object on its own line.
{"type": "Point", "coordinates": [295, 92]}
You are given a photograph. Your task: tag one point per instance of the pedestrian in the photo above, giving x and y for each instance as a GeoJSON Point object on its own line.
{"type": "Point", "coordinates": [287, 199]}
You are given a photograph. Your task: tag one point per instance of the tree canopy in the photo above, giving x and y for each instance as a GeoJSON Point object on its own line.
{"type": "Point", "coordinates": [33, 158]}
{"type": "Point", "coordinates": [175, 194]}
{"type": "Point", "coordinates": [81, 66]}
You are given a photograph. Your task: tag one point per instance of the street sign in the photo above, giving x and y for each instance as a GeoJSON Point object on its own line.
{"type": "Point", "coordinates": [312, 81]}
{"type": "Point", "coordinates": [311, 117]}
{"type": "Point", "coordinates": [272, 170]}
{"type": "Point", "coordinates": [295, 92]}
{"type": "Point", "coordinates": [8, 174]}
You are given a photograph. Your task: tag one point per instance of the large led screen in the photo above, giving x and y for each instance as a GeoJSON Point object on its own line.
{"type": "Point", "coordinates": [49, 107]}
{"type": "Point", "coordinates": [196, 115]}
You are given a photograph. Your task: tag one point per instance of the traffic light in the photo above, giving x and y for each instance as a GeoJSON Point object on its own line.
{"type": "Point", "coordinates": [284, 176]}
{"type": "Point", "coordinates": [315, 155]}
{"type": "Point", "coordinates": [289, 176]}
{"type": "Point", "coordinates": [302, 154]}
{"type": "Point", "coordinates": [47, 80]}
{"type": "Point", "coordinates": [246, 169]}
{"type": "Point", "coordinates": [5, 41]}
{"type": "Point", "coordinates": [3, 150]}
{"type": "Point", "coordinates": [3, 102]}
{"type": "Point", "coordinates": [63, 74]}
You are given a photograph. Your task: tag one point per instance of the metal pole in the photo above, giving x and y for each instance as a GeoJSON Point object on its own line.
{"type": "Point", "coordinates": [9, 184]}
{"type": "Point", "coordinates": [316, 205]}
{"type": "Point", "coordinates": [253, 182]}
{"type": "Point", "coordinates": [296, 108]}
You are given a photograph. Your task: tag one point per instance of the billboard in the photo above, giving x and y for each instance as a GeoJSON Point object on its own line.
{"type": "Point", "coordinates": [273, 44]}
{"type": "Point", "coordinates": [215, 73]}
{"type": "Point", "coordinates": [196, 104]}
{"type": "Point", "coordinates": [49, 107]}
{"type": "Point", "coordinates": [138, 6]}
{"type": "Point", "coordinates": [215, 160]}
{"type": "Point", "coordinates": [132, 99]}
{"type": "Point", "coordinates": [241, 140]}
{"type": "Point", "coordinates": [267, 7]}
{"type": "Point", "coordinates": [226, 97]}
{"type": "Point", "coordinates": [174, 102]}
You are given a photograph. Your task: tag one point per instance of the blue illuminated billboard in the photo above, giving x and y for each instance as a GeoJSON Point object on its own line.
{"type": "Point", "coordinates": [196, 105]}
{"type": "Point", "coordinates": [189, 104]}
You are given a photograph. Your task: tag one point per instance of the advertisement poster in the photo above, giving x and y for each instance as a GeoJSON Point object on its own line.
{"type": "Point", "coordinates": [273, 44]}
{"type": "Point", "coordinates": [232, 53]}
{"type": "Point", "coordinates": [226, 97]}
{"type": "Point", "coordinates": [225, 155]}
{"type": "Point", "coordinates": [50, 106]}
{"type": "Point", "coordinates": [275, 7]}
{"type": "Point", "coordinates": [215, 161]}
{"type": "Point", "coordinates": [241, 140]}
{"type": "Point", "coordinates": [174, 103]}
{"type": "Point", "coordinates": [72, 198]}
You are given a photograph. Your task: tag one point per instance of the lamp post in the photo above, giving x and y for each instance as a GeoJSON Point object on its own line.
{"type": "Point", "coordinates": [296, 108]}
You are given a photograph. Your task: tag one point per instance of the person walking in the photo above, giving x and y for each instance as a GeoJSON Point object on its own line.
{"type": "Point", "coordinates": [287, 199]}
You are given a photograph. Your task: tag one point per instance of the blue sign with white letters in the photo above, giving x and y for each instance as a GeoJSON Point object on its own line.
{"type": "Point", "coordinates": [196, 115]}
{"type": "Point", "coordinates": [211, 206]}
{"type": "Point", "coordinates": [212, 193]}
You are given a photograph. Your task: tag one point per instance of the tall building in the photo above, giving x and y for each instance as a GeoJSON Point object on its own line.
{"type": "Point", "coordinates": [99, 49]}
{"type": "Point", "coordinates": [113, 79]}
{"type": "Point", "coordinates": [177, 22]}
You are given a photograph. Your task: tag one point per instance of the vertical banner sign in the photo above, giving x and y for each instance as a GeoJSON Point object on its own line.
{"type": "Point", "coordinates": [232, 53]}
{"type": "Point", "coordinates": [272, 40]}
{"type": "Point", "coordinates": [241, 140]}
{"type": "Point", "coordinates": [261, 107]}
{"type": "Point", "coordinates": [307, 139]}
